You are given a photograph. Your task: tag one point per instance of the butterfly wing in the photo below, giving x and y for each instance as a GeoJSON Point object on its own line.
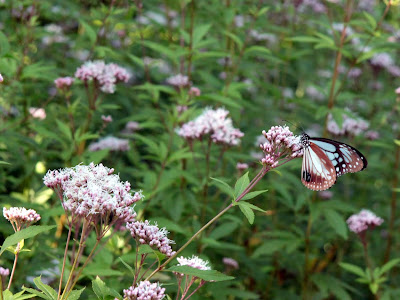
{"type": "Point", "coordinates": [344, 158]}
{"type": "Point", "coordinates": [317, 171]}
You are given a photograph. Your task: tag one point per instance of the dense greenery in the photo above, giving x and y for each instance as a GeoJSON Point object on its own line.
{"type": "Point", "coordinates": [327, 66]}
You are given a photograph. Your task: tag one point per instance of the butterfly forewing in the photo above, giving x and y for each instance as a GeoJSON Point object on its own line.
{"type": "Point", "coordinates": [317, 172]}
{"type": "Point", "coordinates": [344, 158]}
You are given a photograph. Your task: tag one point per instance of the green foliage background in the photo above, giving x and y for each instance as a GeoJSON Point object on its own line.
{"type": "Point", "coordinates": [258, 59]}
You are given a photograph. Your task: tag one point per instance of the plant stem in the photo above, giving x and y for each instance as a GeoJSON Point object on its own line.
{"type": "Point", "coordinates": [64, 260]}
{"type": "Point", "coordinates": [189, 66]}
{"type": "Point", "coordinates": [338, 59]}
{"type": "Point", "coordinates": [263, 171]}
{"type": "Point", "coordinates": [393, 207]}
{"type": "Point", "coordinates": [14, 266]}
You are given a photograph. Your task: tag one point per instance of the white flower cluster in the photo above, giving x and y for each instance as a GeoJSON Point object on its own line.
{"type": "Point", "coordinates": [179, 81]}
{"type": "Point", "coordinates": [4, 272]}
{"type": "Point", "coordinates": [214, 122]}
{"type": "Point", "coordinates": [107, 75]}
{"type": "Point", "coordinates": [145, 290]}
{"type": "Point", "coordinates": [194, 262]}
{"type": "Point", "coordinates": [151, 235]}
{"type": "Point", "coordinates": [20, 217]}
{"type": "Point", "coordinates": [93, 191]}
{"type": "Point", "coordinates": [111, 143]}
{"type": "Point", "coordinates": [363, 220]}
{"type": "Point", "coordinates": [350, 126]}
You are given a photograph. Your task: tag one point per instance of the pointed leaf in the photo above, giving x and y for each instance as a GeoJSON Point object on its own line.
{"type": "Point", "coordinates": [353, 269]}
{"type": "Point", "coordinates": [337, 222]}
{"type": "Point", "coordinates": [24, 234]}
{"type": "Point", "coordinates": [48, 290]}
{"type": "Point", "coordinates": [251, 195]}
{"type": "Point", "coordinates": [389, 265]}
{"type": "Point", "coordinates": [208, 275]}
{"type": "Point", "coordinates": [247, 211]}
{"type": "Point", "coordinates": [241, 184]}
{"type": "Point", "coordinates": [223, 186]}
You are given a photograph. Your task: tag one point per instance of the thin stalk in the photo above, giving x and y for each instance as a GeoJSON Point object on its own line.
{"type": "Point", "coordinates": [205, 187]}
{"type": "Point", "coordinates": [181, 38]}
{"type": "Point", "coordinates": [64, 260]}
{"type": "Point", "coordinates": [393, 207]}
{"type": "Point", "coordinates": [195, 290]}
{"type": "Point", "coordinates": [338, 59]}
{"type": "Point", "coordinates": [81, 269]}
{"type": "Point", "coordinates": [307, 254]}
{"type": "Point", "coordinates": [263, 171]}
{"type": "Point", "coordinates": [76, 260]}
{"type": "Point", "coordinates": [14, 265]}
{"type": "Point", "coordinates": [189, 62]}
{"type": "Point", "coordinates": [355, 60]}
{"type": "Point", "coordinates": [139, 6]}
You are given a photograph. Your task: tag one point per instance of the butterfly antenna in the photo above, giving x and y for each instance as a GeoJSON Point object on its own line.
{"type": "Point", "coordinates": [301, 127]}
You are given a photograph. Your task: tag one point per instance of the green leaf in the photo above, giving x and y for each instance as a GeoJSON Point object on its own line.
{"type": "Point", "coordinates": [207, 275]}
{"type": "Point", "coordinates": [145, 249]}
{"type": "Point", "coordinates": [374, 286]}
{"type": "Point", "coordinates": [64, 129]}
{"type": "Point", "coordinates": [127, 266]}
{"type": "Point", "coordinates": [234, 38]}
{"type": "Point", "coordinates": [223, 230]}
{"type": "Point", "coordinates": [39, 70]}
{"type": "Point", "coordinates": [89, 31]}
{"type": "Point", "coordinates": [223, 186]}
{"type": "Point", "coordinates": [26, 233]}
{"type": "Point", "coordinates": [7, 295]}
{"type": "Point", "coordinates": [397, 142]}
{"type": "Point", "coordinates": [337, 222]}
{"type": "Point", "coordinates": [241, 184]}
{"type": "Point", "coordinates": [353, 269]}
{"type": "Point", "coordinates": [304, 39]}
{"type": "Point", "coordinates": [370, 19]}
{"type": "Point", "coordinates": [389, 265]}
{"type": "Point", "coordinates": [4, 44]}
{"type": "Point", "coordinates": [199, 32]}
{"type": "Point", "coordinates": [75, 294]}
{"type": "Point", "coordinates": [251, 195]}
{"type": "Point", "coordinates": [46, 289]}
{"type": "Point", "coordinates": [101, 290]}
{"type": "Point", "coordinates": [36, 293]}
{"type": "Point", "coordinates": [257, 50]}
{"type": "Point", "coordinates": [247, 211]}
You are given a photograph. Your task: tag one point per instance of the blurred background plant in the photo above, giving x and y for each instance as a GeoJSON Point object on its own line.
{"type": "Point", "coordinates": [117, 82]}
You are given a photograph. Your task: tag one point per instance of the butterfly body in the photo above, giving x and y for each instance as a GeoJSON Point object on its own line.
{"type": "Point", "coordinates": [324, 160]}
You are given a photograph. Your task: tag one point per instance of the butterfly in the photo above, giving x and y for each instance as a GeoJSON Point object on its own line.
{"type": "Point", "coordinates": [324, 160]}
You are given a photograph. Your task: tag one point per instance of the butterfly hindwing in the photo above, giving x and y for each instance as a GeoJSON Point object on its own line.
{"type": "Point", "coordinates": [317, 172]}
{"type": "Point", "coordinates": [344, 158]}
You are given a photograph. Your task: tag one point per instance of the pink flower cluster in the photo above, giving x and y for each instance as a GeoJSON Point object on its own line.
{"type": "Point", "coordinates": [194, 262]}
{"type": "Point", "coordinates": [365, 219]}
{"type": "Point", "coordinates": [145, 290]}
{"type": "Point", "coordinates": [280, 144]}
{"type": "Point", "coordinates": [37, 113]}
{"type": "Point", "coordinates": [216, 124]}
{"type": "Point", "coordinates": [179, 81]}
{"type": "Point", "coordinates": [131, 127]}
{"type": "Point", "coordinates": [230, 262]}
{"type": "Point", "coordinates": [350, 126]}
{"type": "Point", "coordinates": [20, 217]}
{"type": "Point", "coordinates": [242, 166]}
{"type": "Point", "coordinates": [4, 272]}
{"type": "Point", "coordinates": [106, 75]}
{"type": "Point", "coordinates": [64, 82]}
{"type": "Point", "coordinates": [106, 119]}
{"type": "Point", "coordinates": [93, 191]}
{"type": "Point", "coordinates": [385, 61]}
{"type": "Point", "coordinates": [151, 235]}
{"type": "Point", "coordinates": [111, 143]}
